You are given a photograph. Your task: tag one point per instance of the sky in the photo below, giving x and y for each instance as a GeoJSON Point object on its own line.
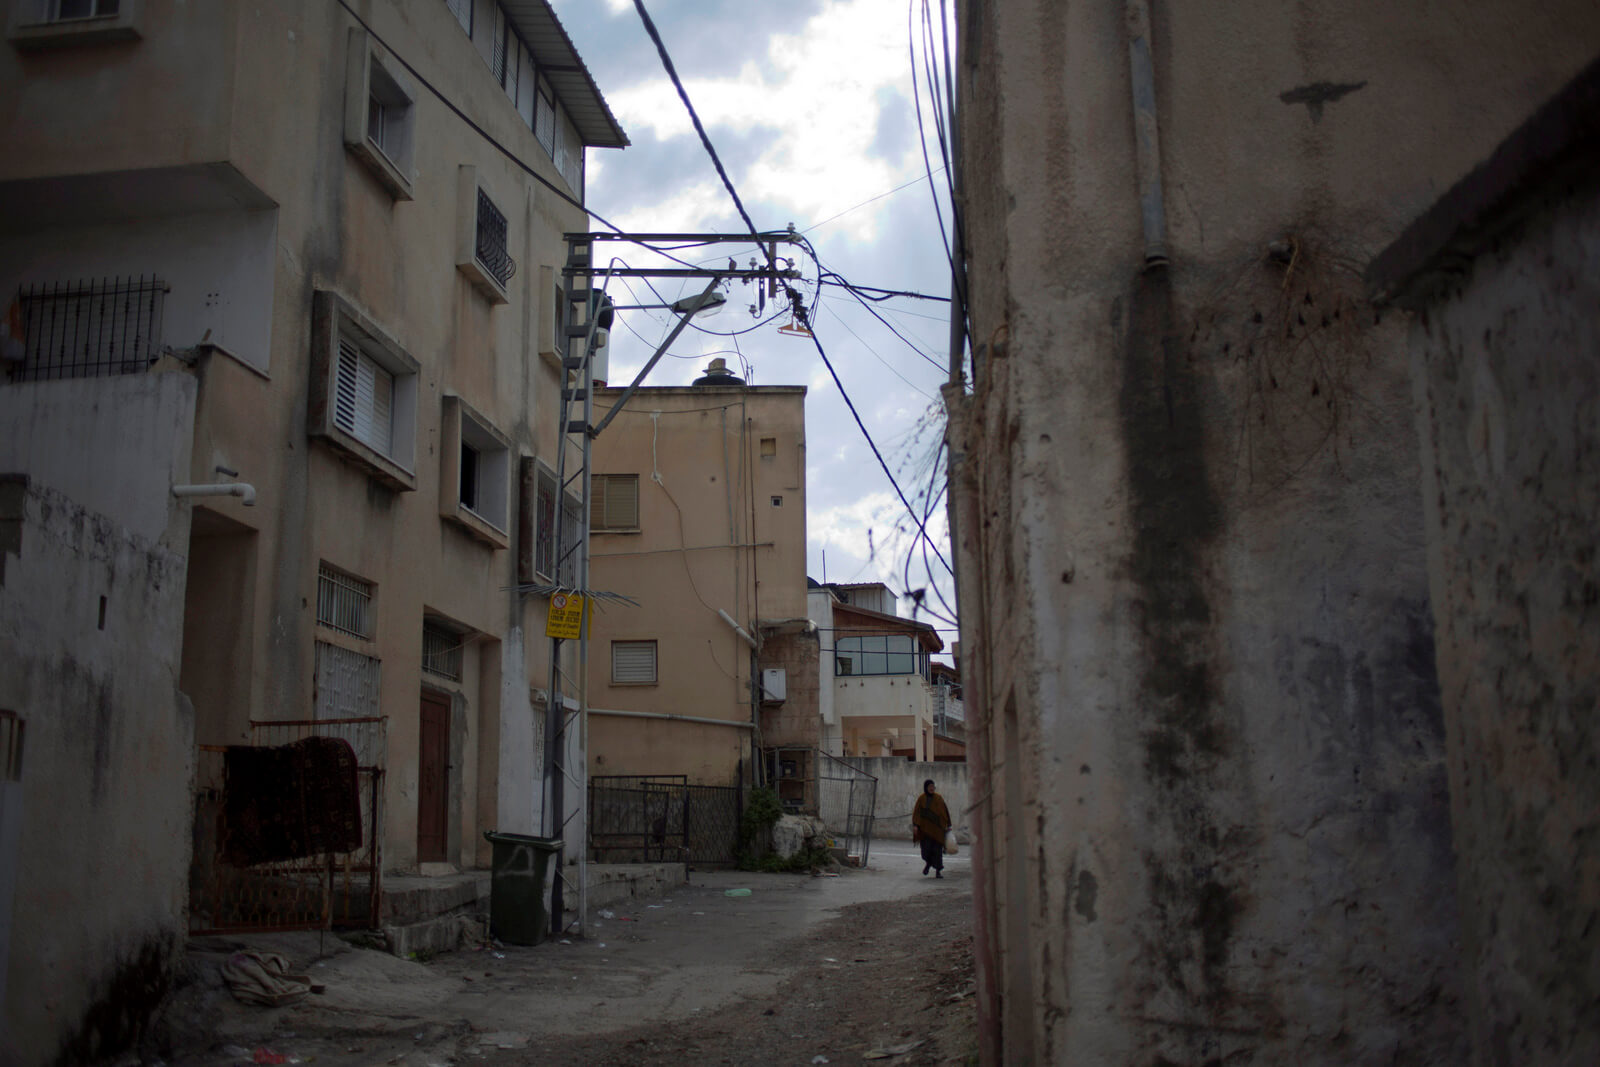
{"type": "Point", "coordinates": [809, 104]}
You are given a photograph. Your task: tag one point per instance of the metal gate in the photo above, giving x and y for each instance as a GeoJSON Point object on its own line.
{"type": "Point", "coordinates": [846, 797]}
{"type": "Point", "coordinates": [661, 818]}
{"type": "Point", "coordinates": [310, 893]}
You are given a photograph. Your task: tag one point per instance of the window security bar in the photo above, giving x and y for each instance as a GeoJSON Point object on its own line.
{"type": "Point", "coordinates": [491, 245]}
{"type": "Point", "coordinates": [94, 328]}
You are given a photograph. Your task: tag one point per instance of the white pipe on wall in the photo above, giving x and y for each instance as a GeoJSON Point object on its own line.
{"type": "Point", "coordinates": [243, 490]}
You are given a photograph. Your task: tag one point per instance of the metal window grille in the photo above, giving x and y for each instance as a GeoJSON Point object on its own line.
{"type": "Point", "coordinates": [544, 560]}
{"type": "Point", "coordinates": [569, 154]}
{"type": "Point", "coordinates": [363, 398]}
{"type": "Point", "coordinates": [633, 661]}
{"type": "Point", "coordinates": [491, 244]}
{"type": "Point", "coordinates": [344, 603]}
{"type": "Point", "coordinates": [347, 683]}
{"type": "Point", "coordinates": [441, 652]}
{"type": "Point", "coordinates": [89, 329]}
{"type": "Point", "coordinates": [614, 502]}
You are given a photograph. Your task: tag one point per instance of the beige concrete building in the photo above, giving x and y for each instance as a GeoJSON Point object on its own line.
{"type": "Point", "coordinates": [699, 505]}
{"type": "Point", "coordinates": [878, 668]}
{"type": "Point", "coordinates": [286, 208]}
{"type": "Point", "coordinates": [1205, 725]}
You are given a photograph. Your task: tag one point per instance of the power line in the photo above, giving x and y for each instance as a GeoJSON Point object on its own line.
{"type": "Point", "coordinates": [887, 293]}
{"type": "Point", "coordinates": [845, 396]}
{"type": "Point", "coordinates": [864, 203]}
{"type": "Point", "coordinates": [716, 161]}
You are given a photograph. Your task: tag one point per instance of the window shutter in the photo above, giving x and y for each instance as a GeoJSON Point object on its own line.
{"type": "Point", "coordinates": [363, 398]}
{"type": "Point", "coordinates": [614, 504]}
{"type": "Point", "coordinates": [344, 389]}
{"type": "Point", "coordinates": [633, 661]}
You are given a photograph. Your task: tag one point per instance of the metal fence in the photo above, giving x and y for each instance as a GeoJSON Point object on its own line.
{"type": "Point", "coordinates": [846, 797]}
{"type": "Point", "coordinates": [314, 892]}
{"type": "Point", "coordinates": [89, 329]}
{"type": "Point", "coordinates": [661, 818]}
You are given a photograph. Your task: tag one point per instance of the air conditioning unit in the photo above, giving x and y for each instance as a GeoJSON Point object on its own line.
{"type": "Point", "coordinates": [774, 684]}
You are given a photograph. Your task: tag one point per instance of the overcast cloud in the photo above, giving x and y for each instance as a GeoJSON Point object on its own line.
{"type": "Point", "coordinates": [810, 107]}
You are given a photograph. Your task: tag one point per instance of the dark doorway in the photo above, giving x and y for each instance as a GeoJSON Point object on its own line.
{"type": "Point", "coordinates": [433, 779]}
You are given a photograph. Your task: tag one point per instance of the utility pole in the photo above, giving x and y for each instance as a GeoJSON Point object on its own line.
{"type": "Point", "coordinates": [587, 311]}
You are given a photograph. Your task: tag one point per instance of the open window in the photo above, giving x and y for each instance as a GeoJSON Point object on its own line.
{"type": "Point", "coordinates": [475, 476]}
{"type": "Point", "coordinates": [363, 395]}
{"type": "Point", "coordinates": [379, 114]}
{"type": "Point", "coordinates": [483, 250]}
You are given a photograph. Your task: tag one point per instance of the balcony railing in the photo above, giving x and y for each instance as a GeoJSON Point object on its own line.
{"type": "Point", "coordinates": [87, 329]}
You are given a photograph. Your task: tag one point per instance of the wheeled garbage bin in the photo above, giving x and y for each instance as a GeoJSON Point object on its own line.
{"type": "Point", "coordinates": [517, 912]}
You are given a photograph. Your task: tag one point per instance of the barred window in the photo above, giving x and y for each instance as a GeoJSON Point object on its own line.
{"type": "Point", "coordinates": [344, 603]}
{"type": "Point", "coordinates": [491, 248]}
{"type": "Point", "coordinates": [85, 329]}
{"type": "Point", "coordinates": [346, 683]}
{"type": "Point", "coordinates": [441, 651]}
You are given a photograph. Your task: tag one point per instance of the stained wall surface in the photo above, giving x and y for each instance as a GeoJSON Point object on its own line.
{"type": "Point", "coordinates": [1218, 828]}
{"type": "Point", "coordinates": [1508, 405]}
{"type": "Point", "coordinates": [91, 620]}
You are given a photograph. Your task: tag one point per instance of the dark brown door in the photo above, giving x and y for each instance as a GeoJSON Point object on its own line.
{"type": "Point", "coordinates": [433, 780]}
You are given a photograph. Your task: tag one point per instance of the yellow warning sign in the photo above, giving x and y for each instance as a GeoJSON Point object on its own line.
{"type": "Point", "coordinates": [566, 616]}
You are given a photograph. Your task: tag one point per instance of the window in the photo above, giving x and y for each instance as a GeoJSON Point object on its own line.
{"type": "Point", "coordinates": [483, 253]}
{"type": "Point", "coordinates": [633, 662]}
{"type": "Point", "coordinates": [769, 447]}
{"type": "Point", "coordinates": [568, 154]}
{"type": "Point", "coordinates": [547, 562]}
{"type": "Point", "coordinates": [364, 395]}
{"type": "Point", "coordinates": [879, 654]}
{"type": "Point", "coordinates": [346, 683]}
{"type": "Point", "coordinates": [380, 114]}
{"type": "Point", "coordinates": [462, 10]}
{"type": "Point", "coordinates": [50, 23]}
{"type": "Point", "coordinates": [498, 41]}
{"type": "Point", "coordinates": [544, 120]}
{"type": "Point", "coordinates": [363, 398]}
{"type": "Point", "coordinates": [441, 650]}
{"type": "Point", "coordinates": [87, 329]}
{"type": "Point", "coordinates": [474, 485]}
{"type": "Point", "coordinates": [344, 602]}
{"type": "Point", "coordinates": [614, 503]}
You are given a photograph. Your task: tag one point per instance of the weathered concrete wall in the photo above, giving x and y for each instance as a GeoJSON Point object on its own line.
{"type": "Point", "coordinates": [91, 618]}
{"type": "Point", "coordinates": [1508, 407]}
{"type": "Point", "coordinates": [1218, 829]}
{"type": "Point", "coordinates": [796, 721]}
{"type": "Point", "coordinates": [900, 783]}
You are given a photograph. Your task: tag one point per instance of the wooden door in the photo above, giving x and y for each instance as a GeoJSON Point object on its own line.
{"type": "Point", "coordinates": [433, 779]}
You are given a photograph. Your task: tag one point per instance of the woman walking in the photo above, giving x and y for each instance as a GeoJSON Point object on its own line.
{"type": "Point", "coordinates": [930, 820]}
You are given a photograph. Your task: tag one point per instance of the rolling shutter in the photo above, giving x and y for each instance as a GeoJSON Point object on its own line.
{"type": "Point", "coordinates": [633, 661]}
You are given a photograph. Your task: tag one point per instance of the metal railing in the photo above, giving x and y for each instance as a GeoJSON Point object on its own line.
{"type": "Point", "coordinates": [491, 248]}
{"type": "Point", "coordinates": [92, 328]}
{"type": "Point", "coordinates": [663, 819]}
{"type": "Point", "coordinates": [847, 797]}
{"type": "Point", "coordinates": [320, 891]}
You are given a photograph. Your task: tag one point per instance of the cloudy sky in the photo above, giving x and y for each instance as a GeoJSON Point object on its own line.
{"type": "Point", "coordinates": [809, 104]}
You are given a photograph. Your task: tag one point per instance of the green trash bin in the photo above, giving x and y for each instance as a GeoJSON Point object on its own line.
{"type": "Point", "coordinates": [517, 912]}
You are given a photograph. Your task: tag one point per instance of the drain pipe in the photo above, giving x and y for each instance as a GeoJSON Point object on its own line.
{"type": "Point", "coordinates": [1146, 134]}
{"type": "Point", "coordinates": [243, 490]}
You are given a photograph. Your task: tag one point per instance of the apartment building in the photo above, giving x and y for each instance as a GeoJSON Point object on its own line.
{"type": "Point", "coordinates": [698, 515]}
{"type": "Point", "coordinates": [303, 258]}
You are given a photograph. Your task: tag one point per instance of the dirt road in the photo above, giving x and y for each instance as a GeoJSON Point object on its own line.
{"type": "Point", "coordinates": [801, 968]}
